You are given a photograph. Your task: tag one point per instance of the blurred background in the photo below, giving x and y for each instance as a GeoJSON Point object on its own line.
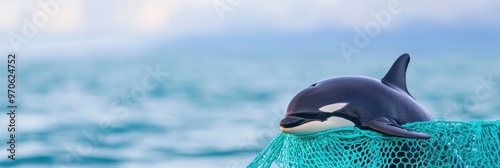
{"type": "Point", "coordinates": [204, 83]}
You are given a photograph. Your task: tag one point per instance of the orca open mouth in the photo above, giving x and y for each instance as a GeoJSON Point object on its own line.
{"type": "Point", "coordinates": [293, 121]}
{"type": "Point", "coordinates": [296, 119]}
{"type": "Point", "coordinates": [311, 122]}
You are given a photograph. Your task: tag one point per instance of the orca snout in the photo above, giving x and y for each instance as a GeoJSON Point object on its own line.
{"type": "Point", "coordinates": [292, 121]}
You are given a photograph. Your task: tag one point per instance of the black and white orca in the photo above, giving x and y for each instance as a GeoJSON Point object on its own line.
{"type": "Point", "coordinates": [368, 103]}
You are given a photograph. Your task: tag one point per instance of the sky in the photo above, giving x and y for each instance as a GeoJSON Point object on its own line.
{"type": "Point", "coordinates": [85, 29]}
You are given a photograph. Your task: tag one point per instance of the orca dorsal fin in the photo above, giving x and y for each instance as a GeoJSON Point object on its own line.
{"type": "Point", "coordinates": [397, 74]}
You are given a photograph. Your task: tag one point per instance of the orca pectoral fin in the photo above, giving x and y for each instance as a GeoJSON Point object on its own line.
{"type": "Point", "coordinates": [389, 127]}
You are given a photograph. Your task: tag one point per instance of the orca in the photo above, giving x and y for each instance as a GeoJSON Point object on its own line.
{"type": "Point", "coordinates": [367, 103]}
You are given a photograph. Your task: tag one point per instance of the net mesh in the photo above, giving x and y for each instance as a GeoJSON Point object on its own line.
{"type": "Point", "coordinates": [452, 144]}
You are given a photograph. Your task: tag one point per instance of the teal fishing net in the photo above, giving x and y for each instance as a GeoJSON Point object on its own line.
{"type": "Point", "coordinates": [452, 144]}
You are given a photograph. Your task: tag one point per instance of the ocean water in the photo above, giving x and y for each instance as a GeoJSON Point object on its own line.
{"type": "Point", "coordinates": [213, 111]}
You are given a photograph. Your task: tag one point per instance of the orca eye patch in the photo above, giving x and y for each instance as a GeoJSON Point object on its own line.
{"type": "Point", "coordinates": [330, 108]}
